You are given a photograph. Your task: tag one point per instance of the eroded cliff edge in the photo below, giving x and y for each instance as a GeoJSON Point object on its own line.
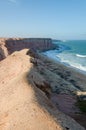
{"type": "Point", "coordinates": [9, 45]}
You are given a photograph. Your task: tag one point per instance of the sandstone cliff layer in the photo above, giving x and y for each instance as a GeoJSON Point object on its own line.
{"type": "Point", "coordinates": [8, 46]}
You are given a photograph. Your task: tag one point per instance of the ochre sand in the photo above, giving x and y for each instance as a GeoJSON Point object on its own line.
{"type": "Point", "coordinates": [27, 85]}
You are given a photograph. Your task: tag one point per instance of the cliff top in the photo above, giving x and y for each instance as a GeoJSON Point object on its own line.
{"type": "Point", "coordinates": [24, 96]}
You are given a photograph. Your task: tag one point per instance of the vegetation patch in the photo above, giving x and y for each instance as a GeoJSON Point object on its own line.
{"type": "Point", "coordinates": [82, 105]}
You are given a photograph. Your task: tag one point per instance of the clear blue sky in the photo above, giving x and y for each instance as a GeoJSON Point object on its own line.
{"type": "Point", "coordinates": [61, 19]}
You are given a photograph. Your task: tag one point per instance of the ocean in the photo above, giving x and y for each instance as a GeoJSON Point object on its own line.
{"type": "Point", "coordinates": [71, 53]}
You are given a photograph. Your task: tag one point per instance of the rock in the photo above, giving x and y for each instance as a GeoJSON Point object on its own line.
{"type": "Point", "coordinates": [3, 52]}
{"type": "Point", "coordinates": [41, 44]}
{"type": "Point", "coordinates": [8, 46]}
{"type": "Point", "coordinates": [81, 95]}
{"type": "Point", "coordinates": [32, 52]}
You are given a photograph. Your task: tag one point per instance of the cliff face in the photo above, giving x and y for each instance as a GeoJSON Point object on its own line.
{"type": "Point", "coordinates": [8, 46]}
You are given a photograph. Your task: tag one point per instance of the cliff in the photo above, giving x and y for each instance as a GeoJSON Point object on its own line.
{"type": "Point", "coordinates": [25, 95]}
{"type": "Point", "coordinates": [8, 46]}
{"type": "Point", "coordinates": [36, 92]}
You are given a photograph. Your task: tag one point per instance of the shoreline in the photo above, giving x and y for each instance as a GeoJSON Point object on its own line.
{"type": "Point", "coordinates": [69, 54]}
{"type": "Point", "coordinates": [68, 73]}
{"type": "Point", "coordinates": [57, 59]}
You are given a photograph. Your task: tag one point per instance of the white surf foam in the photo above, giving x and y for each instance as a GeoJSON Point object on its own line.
{"type": "Point", "coordinates": [82, 56]}
{"type": "Point", "coordinates": [72, 60]}
{"type": "Point", "coordinates": [75, 65]}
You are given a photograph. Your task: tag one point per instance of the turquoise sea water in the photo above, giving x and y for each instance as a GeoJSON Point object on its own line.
{"type": "Point", "coordinates": [72, 53]}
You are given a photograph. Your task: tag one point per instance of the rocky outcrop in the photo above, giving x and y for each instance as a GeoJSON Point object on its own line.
{"type": "Point", "coordinates": [3, 52]}
{"type": "Point", "coordinates": [8, 46]}
{"type": "Point", "coordinates": [3, 49]}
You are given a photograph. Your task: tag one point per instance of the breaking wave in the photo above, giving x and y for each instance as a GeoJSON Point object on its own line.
{"type": "Point", "coordinates": [68, 56]}
{"type": "Point", "coordinates": [83, 56]}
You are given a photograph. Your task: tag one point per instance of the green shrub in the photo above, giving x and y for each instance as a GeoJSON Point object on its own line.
{"type": "Point", "coordinates": [82, 105]}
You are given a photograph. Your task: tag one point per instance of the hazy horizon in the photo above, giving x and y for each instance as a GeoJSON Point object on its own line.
{"type": "Point", "coordinates": [56, 19]}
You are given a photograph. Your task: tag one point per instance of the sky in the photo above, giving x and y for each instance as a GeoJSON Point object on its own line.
{"type": "Point", "coordinates": [57, 19]}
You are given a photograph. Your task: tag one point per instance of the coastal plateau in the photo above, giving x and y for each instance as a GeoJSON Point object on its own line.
{"type": "Point", "coordinates": [37, 93]}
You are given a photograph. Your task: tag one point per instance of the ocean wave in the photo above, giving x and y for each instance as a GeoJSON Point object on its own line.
{"type": "Point", "coordinates": [61, 46]}
{"type": "Point", "coordinates": [68, 59]}
{"type": "Point", "coordinates": [82, 56]}
{"type": "Point", "coordinates": [72, 60]}
{"type": "Point", "coordinates": [75, 65]}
